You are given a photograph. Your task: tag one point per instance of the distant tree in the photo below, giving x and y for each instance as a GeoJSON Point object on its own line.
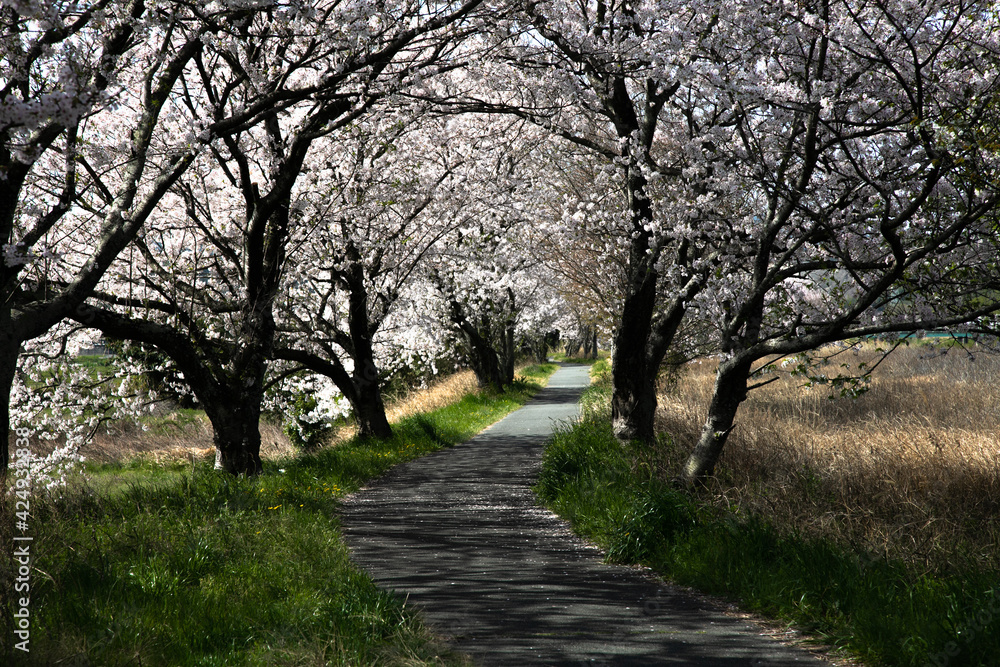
{"type": "Point", "coordinates": [372, 210]}
{"type": "Point", "coordinates": [484, 269]}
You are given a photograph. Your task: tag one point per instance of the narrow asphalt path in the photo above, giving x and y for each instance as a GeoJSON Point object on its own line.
{"type": "Point", "coordinates": [459, 534]}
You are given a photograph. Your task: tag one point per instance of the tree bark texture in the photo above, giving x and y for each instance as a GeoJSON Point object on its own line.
{"type": "Point", "coordinates": [484, 360]}
{"type": "Point", "coordinates": [9, 352]}
{"type": "Point", "coordinates": [368, 404]}
{"type": "Point", "coordinates": [369, 407]}
{"type": "Point", "coordinates": [236, 433]}
{"type": "Point", "coordinates": [729, 392]}
{"type": "Point", "coordinates": [633, 400]}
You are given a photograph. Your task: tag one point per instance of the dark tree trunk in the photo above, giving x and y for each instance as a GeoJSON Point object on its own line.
{"type": "Point", "coordinates": [9, 351]}
{"type": "Point", "coordinates": [633, 400]}
{"type": "Point", "coordinates": [485, 363]}
{"type": "Point", "coordinates": [541, 350]}
{"type": "Point", "coordinates": [492, 368]}
{"type": "Point", "coordinates": [633, 403]}
{"type": "Point", "coordinates": [228, 382]}
{"type": "Point", "coordinates": [369, 407]}
{"type": "Point", "coordinates": [590, 342]}
{"type": "Point", "coordinates": [239, 392]}
{"type": "Point", "coordinates": [508, 354]}
{"type": "Point", "coordinates": [236, 433]}
{"type": "Point", "coordinates": [730, 391]}
{"type": "Point", "coordinates": [636, 363]}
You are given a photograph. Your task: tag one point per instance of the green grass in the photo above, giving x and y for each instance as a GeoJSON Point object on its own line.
{"type": "Point", "coordinates": [878, 610]}
{"type": "Point", "coordinates": [98, 362]}
{"type": "Point", "coordinates": [173, 423]}
{"type": "Point", "coordinates": [561, 357]}
{"type": "Point", "coordinates": [187, 566]}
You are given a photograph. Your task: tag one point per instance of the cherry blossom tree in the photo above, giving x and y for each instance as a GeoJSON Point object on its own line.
{"type": "Point", "coordinates": [493, 291]}
{"type": "Point", "coordinates": [580, 249]}
{"type": "Point", "coordinates": [870, 178]}
{"type": "Point", "coordinates": [377, 200]}
{"type": "Point", "coordinates": [758, 158]}
{"type": "Point", "coordinates": [617, 80]}
{"type": "Point", "coordinates": [77, 80]}
{"type": "Point", "coordinates": [212, 272]}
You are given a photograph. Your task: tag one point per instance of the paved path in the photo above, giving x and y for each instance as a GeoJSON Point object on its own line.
{"type": "Point", "coordinates": [459, 534]}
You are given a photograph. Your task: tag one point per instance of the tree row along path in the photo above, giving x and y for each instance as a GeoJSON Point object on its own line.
{"type": "Point", "coordinates": [459, 534]}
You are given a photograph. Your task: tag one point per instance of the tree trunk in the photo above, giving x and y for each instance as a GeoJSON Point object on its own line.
{"type": "Point", "coordinates": [9, 351]}
{"type": "Point", "coordinates": [508, 354]}
{"type": "Point", "coordinates": [485, 364]}
{"type": "Point", "coordinates": [236, 433]}
{"type": "Point", "coordinates": [730, 391]}
{"type": "Point", "coordinates": [633, 400]}
{"type": "Point", "coordinates": [633, 403]}
{"type": "Point", "coordinates": [635, 365]}
{"type": "Point", "coordinates": [541, 349]}
{"type": "Point", "coordinates": [369, 407]}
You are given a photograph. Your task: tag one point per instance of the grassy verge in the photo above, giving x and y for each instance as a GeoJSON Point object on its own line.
{"type": "Point", "coordinates": [191, 567]}
{"type": "Point", "coordinates": [881, 610]}
{"type": "Point", "coordinates": [562, 358]}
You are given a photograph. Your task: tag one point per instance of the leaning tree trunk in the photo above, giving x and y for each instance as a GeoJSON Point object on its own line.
{"type": "Point", "coordinates": [730, 391]}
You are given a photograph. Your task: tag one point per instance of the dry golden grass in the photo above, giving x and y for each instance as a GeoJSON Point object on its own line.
{"type": "Point", "coordinates": [444, 392]}
{"type": "Point", "coordinates": [168, 440]}
{"type": "Point", "coordinates": [909, 469]}
{"type": "Point", "coordinates": [165, 445]}
{"type": "Point", "coordinates": [438, 394]}
{"type": "Point", "coordinates": [172, 439]}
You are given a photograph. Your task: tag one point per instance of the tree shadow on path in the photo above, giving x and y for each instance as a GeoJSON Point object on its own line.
{"type": "Point", "coordinates": [459, 534]}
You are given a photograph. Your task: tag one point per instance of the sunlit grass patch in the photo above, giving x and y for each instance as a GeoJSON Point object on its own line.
{"type": "Point", "coordinates": [910, 469]}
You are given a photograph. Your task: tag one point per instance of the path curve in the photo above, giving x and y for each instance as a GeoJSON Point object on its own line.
{"type": "Point", "coordinates": [459, 534]}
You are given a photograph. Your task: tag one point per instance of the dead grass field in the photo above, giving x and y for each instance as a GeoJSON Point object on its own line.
{"type": "Point", "coordinates": [910, 469]}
